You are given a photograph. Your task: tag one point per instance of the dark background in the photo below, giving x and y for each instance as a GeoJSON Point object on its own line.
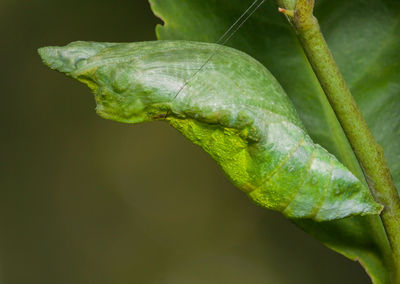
{"type": "Point", "coordinates": [86, 200]}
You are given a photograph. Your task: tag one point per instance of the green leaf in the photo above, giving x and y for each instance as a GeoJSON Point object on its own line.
{"type": "Point", "coordinates": [364, 38]}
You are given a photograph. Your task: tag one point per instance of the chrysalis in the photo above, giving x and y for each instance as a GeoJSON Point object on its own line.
{"type": "Point", "coordinates": [234, 109]}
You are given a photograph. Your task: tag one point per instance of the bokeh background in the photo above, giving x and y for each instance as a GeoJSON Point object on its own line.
{"type": "Point", "coordinates": [85, 200]}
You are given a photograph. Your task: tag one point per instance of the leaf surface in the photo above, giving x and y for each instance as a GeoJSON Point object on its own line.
{"type": "Point", "coordinates": [364, 37]}
{"type": "Point", "coordinates": [233, 108]}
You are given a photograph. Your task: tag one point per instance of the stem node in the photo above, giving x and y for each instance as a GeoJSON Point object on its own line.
{"type": "Point", "coordinates": [289, 13]}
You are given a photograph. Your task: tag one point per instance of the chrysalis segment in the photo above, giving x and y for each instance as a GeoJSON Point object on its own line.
{"type": "Point", "coordinates": [313, 191]}
{"type": "Point", "coordinates": [234, 109]}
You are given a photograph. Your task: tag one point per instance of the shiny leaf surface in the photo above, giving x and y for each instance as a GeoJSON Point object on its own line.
{"type": "Point", "coordinates": [364, 38]}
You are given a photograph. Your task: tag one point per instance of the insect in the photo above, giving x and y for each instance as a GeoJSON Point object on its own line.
{"type": "Point", "coordinates": [230, 105]}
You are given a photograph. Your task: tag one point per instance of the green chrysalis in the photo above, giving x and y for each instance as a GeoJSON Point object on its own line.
{"type": "Point", "coordinates": [234, 109]}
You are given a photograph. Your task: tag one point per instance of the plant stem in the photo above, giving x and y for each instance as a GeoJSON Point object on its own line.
{"type": "Point", "coordinates": [369, 153]}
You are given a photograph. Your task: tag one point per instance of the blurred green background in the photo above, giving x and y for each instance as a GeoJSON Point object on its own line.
{"type": "Point", "coordinates": [85, 200]}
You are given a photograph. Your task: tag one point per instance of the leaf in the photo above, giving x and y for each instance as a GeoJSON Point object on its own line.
{"type": "Point", "coordinates": [348, 26]}
{"type": "Point", "coordinates": [234, 109]}
{"type": "Point", "coordinates": [364, 38]}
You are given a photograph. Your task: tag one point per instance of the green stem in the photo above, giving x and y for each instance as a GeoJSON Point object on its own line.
{"type": "Point", "coordinates": [369, 153]}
